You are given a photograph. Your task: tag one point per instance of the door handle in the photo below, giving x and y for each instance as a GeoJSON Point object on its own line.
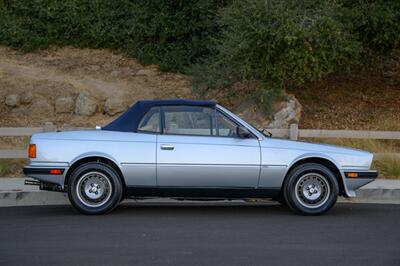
{"type": "Point", "coordinates": [168, 147]}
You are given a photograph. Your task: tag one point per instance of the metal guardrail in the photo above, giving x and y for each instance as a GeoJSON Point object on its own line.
{"type": "Point", "coordinates": [292, 133]}
{"type": "Point", "coordinates": [18, 131]}
{"type": "Point", "coordinates": [13, 154]}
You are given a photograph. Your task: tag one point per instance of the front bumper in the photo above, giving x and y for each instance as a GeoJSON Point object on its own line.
{"type": "Point", "coordinates": [46, 173]}
{"type": "Point", "coordinates": [353, 183]}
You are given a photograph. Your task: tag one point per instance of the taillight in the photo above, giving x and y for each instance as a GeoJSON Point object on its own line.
{"type": "Point", "coordinates": [32, 151]}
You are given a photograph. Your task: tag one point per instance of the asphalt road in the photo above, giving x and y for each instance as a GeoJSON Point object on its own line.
{"type": "Point", "coordinates": [176, 234]}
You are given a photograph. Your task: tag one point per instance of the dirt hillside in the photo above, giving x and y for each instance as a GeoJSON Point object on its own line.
{"type": "Point", "coordinates": [66, 72]}
{"type": "Point", "coordinates": [368, 98]}
{"type": "Point", "coordinates": [364, 99]}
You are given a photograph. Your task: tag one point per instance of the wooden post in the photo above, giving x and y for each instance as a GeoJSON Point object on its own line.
{"type": "Point", "coordinates": [294, 131]}
{"type": "Point", "coordinates": [49, 127]}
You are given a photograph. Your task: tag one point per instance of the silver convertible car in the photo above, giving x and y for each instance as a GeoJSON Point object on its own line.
{"type": "Point", "coordinates": [191, 150]}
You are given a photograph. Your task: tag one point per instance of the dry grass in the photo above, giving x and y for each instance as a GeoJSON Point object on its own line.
{"type": "Point", "coordinates": [388, 166]}
{"type": "Point", "coordinates": [388, 124]}
{"type": "Point", "coordinates": [11, 167]}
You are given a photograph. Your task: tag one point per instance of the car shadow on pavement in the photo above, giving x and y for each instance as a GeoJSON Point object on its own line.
{"type": "Point", "coordinates": [190, 209]}
{"type": "Point", "coordinates": [202, 208]}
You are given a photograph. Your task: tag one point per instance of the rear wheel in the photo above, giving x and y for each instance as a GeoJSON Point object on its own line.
{"type": "Point", "coordinates": [311, 189]}
{"type": "Point", "coordinates": [94, 188]}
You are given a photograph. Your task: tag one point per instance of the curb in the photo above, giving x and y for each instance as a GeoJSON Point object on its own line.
{"type": "Point", "coordinates": [377, 195]}
{"type": "Point", "coordinates": [32, 198]}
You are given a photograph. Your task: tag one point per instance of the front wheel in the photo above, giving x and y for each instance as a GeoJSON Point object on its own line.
{"type": "Point", "coordinates": [94, 188]}
{"type": "Point", "coordinates": [311, 189]}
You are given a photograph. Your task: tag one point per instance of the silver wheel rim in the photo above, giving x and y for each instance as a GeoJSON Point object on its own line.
{"type": "Point", "coordinates": [312, 190]}
{"type": "Point", "coordinates": [94, 189]}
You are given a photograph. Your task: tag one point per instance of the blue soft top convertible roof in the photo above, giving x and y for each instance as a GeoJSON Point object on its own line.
{"type": "Point", "coordinates": [129, 121]}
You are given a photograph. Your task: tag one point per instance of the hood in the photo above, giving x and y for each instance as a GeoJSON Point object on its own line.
{"type": "Point", "coordinates": [310, 147]}
{"type": "Point", "coordinates": [278, 151]}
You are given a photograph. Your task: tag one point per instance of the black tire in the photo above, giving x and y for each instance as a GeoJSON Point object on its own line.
{"type": "Point", "coordinates": [311, 189]}
{"type": "Point", "coordinates": [94, 176]}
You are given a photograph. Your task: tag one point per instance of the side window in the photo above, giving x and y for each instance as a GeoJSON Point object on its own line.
{"type": "Point", "coordinates": [225, 127]}
{"type": "Point", "coordinates": [150, 121]}
{"type": "Point", "coordinates": [188, 120]}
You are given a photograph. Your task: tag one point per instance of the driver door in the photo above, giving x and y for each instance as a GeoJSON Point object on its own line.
{"type": "Point", "coordinates": [199, 148]}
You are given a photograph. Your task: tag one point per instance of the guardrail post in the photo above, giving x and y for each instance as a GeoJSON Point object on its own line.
{"type": "Point", "coordinates": [48, 127]}
{"type": "Point", "coordinates": [294, 131]}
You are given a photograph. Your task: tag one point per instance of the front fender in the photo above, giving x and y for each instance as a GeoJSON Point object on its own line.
{"type": "Point", "coordinates": [314, 155]}
{"type": "Point", "coordinates": [308, 156]}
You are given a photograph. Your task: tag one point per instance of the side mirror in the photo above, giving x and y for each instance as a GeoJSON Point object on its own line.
{"type": "Point", "coordinates": [243, 132]}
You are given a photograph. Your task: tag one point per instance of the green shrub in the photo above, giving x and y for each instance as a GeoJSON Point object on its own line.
{"type": "Point", "coordinates": [279, 43]}
{"type": "Point", "coordinates": [285, 43]}
{"type": "Point", "coordinates": [272, 43]}
{"type": "Point", "coordinates": [172, 34]}
{"type": "Point", "coordinates": [375, 22]}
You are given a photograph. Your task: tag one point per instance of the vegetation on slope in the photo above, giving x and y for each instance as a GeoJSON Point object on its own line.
{"type": "Point", "coordinates": [171, 34]}
{"type": "Point", "coordinates": [281, 44]}
{"type": "Point", "coordinates": [274, 44]}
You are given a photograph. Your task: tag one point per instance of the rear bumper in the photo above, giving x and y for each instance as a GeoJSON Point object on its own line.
{"type": "Point", "coordinates": [353, 183]}
{"type": "Point", "coordinates": [43, 173]}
